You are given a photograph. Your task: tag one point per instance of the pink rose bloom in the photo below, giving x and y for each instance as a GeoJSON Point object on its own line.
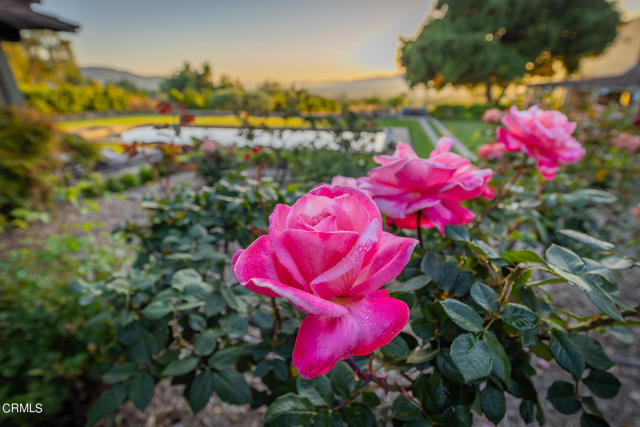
{"type": "Point", "coordinates": [492, 116]}
{"type": "Point", "coordinates": [327, 254]}
{"type": "Point", "coordinates": [405, 184]}
{"type": "Point", "coordinates": [208, 146]}
{"type": "Point", "coordinates": [494, 151]}
{"type": "Point", "coordinates": [543, 135]}
{"type": "Point", "coordinates": [346, 181]}
{"type": "Point", "coordinates": [626, 141]}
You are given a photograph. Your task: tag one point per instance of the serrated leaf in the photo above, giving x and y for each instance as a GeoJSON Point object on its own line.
{"type": "Point", "coordinates": [462, 315]}
{"type": "Point", "coordinates": [457, 232]}
{"type": "Point", "coordinates": [317, 390]}
{"type": "Point", "coordinates": [566, 353]}
{"type": "Point", "coordinates": [519, 316]}
{"type": "Point", "coordinates": [120, 372]}
{"type": "Point", "coordinates": [227, 357]}
{"type": "Point", "coordinates": [471, 357]}
{"type": "Point", "coordinates": [525, 255]}
{"type": "Point", "coordinates": [616, 262]}
{"type": "Point", "coordinates": [592, 351]}
{"type": "Point", "coordinates": [180, 367]}
{"type": "Point", "coordinates": [396, 349]}
{"type": "Point", "coordinates": [157, 309]}
{"type": "Point", "coordinates": [205, 343]}
{"type": "Point", "coordinates": [290, 409]}
{"type": "Point", "coordinates": [493, 403]}
{"type": "Point", "coordinates": [589, 241]}
{"type": "Point", "coordinates": [141, 390]}
{"type": "Point", "coordinates": [484, 296]}
{"type": "Point", "coordinates": [563, 397]}
{"type": "Point", "coordinates": [564, 258]}
{"type": "Point", "coordinates": [107, 402]}
{"type": "Point", "coordinates": [231, 387]}
{"type": "Point", "coordinates": [342, 380]}
{"type": "Point", "coordinates": [501, 365]}
{"type": "Point", "coordinates": [201, 390]}
{"type": "Point", "coordinates": [602, 384]}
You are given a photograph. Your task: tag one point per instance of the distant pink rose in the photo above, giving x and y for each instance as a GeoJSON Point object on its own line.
{"type": "Point", "coordinates": [543, 135]}
{"type": "Point", "coordinates": [492, 116]}
{"type": "Point", "coordinates": [327, 254]}
{"type": "Point", "coordinates": [494, 151]}
{"type": "Point", "coordinates": [626, 141]}
{"type": "Point", "coordinates": [405, 184]}
{"type": "Point", "coordinates": [208, 146]}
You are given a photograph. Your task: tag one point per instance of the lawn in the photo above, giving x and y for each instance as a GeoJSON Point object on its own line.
{"type": "Point", "coordinates": [472, 133]}
{"type": "Point", "coordinates": [419, 140]}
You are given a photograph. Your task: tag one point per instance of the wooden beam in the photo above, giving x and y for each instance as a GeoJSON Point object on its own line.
{"type": "Point", "coordinates": [9, 92]}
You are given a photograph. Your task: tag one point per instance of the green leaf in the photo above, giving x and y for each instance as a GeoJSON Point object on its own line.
{"type": "Point", "coordinates": [471, 357]}
{"type": "Point", "coordinates": [404, 410]}
{"type": "Point", "coordinates": [589, 420]}
{"type": "Point", "coordinates": [462, 315]}
{"type": "Point", "coordinates": [616, 262]}
{"type": "Point", "coordinates": [592, 351]}
{"type": "Point", "coordinates": [262, 319]}
{"type": "Point", "coordinates": [483, 248]}
{"type": "Point", "coordinates": [563, 397]}
{"type": "Point", "coordinates": [358, 415]}
{"type": "Point", "coordinates": [396, 349]}
{"type": "Point", "coordinates": [457, 232]}
{"type": "Point", "coordinates": [229, 296]}
{"type": "Point", "coordinates": [213, 305]}
{"type": "Point", "coordinates": [564, 258]}
{"type": "Point", "coordinates": [602, 384]}
{"type": "Point", "coordinates": [501, 365]}
{"type": "Point", "coordinates": [421, 356]}
{"type": "Point", "coordinates": [205, 343]}
{"type": "Point", "coordinates": [525, 255]}
{"type": "Point", "coordinates": [182, 278]}
{"type": "Point", "coordinates": [141, 390]}
{"type": "Point", "coordinates": [411, 285]}
{"type": "Point", "coordinates": [589, 241]}
{"type": "Point", "coordinates": [317, 390]}
{"type": "Point", "coordinates": [197, 322]}
{"type": "Point", "coordinates": [463, 416]}
{"type": "Point", "coordinates": [201, 390]}
{"type": "Point", "coordinates": [484, 296]}
{"type": "Point", "coordinates": [342, 380]}
{"type": "Point", "coordinates": [157, 309]}
{"type": "Point", "coordinates": [493, 403]}
{"type": "Point", "coordinates": [180, 367]}
{"type": "Point", "coordinates": [107, 403]}
{"type": "Point", "coordinates": [328, 418]}
{"type": "Point", "coordinates": [370, 399]}
{"type": "Point", "coordinates": [566, 353]}
{"type": "Point", "coordinates": [227, 357]}
{"type": "Point", "coordinates": [231, 387]}
{"type": "Point", "coordinates": [526, 411]}
{"type": "Point", "coordinates": [519, 316]}
{"type": "Point", "coordinates": [290, 410]}
{"type": "Point", "coordinates": [235, 325]}
{"type": "Point", "coordinates": [583, 196]}
{"type": "Point", "coordinates": [120, 372]}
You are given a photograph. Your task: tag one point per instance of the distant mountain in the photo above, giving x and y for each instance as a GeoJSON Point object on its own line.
{"type": "Point", "coordinates": [383, 87]}
{"type": "Point", "coordinates": [105, 74]}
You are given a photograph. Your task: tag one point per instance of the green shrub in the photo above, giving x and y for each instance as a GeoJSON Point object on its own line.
{"type": "Point", "coordinates": [28, 159]}
{"type": "Point", "coordinates": [80, 151]}
{"type": "Point", "coordinates": [67, 98]}
{"type": "Point", "coordinates": [129, 180]}
{"type": "Point", "coordinates": [51, 338]}
{"type": "Point", "coordinates": [113, 185]}
{"type": "Point", "coordinates": [145, 174]}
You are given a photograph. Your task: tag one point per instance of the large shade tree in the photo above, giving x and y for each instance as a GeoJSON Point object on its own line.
{"type": "Point", "coordinates": [493, 42]}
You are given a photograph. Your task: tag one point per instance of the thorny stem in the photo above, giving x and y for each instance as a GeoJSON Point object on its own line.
{"type": "Point", "coordinates": [276, 313]}
{"type": "Point", "coordinates": [175, 328]}
{"type": "Point", "coordinates": [604, 321]}
{"type": "Point", "coordinates": [508, 285]}
{"type": "Point", "coordinates": [418, 228]}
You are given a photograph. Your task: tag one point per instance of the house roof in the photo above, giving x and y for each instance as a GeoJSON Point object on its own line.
{"type": "Point", "coordinates": [630, 79]}
{"type": "Point", "coordinates": [16, 15]}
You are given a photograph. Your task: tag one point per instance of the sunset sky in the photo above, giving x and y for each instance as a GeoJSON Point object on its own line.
{"type": "Point", "coordinates": [253, 40]}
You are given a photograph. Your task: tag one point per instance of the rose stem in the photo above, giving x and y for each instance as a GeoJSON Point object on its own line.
{"type": "Point", "coordinates": [419, 229]}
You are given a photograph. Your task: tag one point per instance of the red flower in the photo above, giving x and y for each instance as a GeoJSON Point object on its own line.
{"type": "Point", "coordinates": [164, 107]}
{"type": "Point", "coordinates": [247, 157]}
{"type": "Point", "coordinates": [256, 149]}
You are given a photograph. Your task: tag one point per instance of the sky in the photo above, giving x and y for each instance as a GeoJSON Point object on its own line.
{"type": "Point", "coordinates": [253, 40]}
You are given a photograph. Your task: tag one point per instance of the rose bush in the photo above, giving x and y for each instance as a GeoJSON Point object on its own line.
{"type": "Point", "coordinates": [322, 282]}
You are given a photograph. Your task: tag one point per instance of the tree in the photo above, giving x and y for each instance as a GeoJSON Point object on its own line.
{"type": "Point", "coordinates": [471, 42]}
{"type": "Point", "coordinates": [189, 78]}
